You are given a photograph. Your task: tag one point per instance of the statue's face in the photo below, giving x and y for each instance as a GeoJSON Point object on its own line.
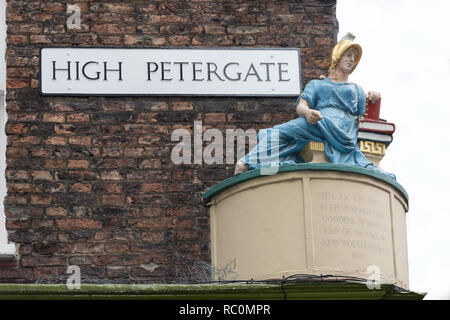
{"type": "Point", "coordinates": [347, 61]}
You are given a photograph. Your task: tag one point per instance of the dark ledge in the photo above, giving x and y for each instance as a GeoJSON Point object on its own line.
{"type": "Point", "coordinates": [212, 291]}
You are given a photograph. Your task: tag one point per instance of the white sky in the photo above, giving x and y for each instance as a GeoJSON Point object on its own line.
{"type": "Point", "coordinates": [406, 57]}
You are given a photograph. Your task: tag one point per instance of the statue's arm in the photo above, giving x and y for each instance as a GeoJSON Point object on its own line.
{"type": "Point", "coordinates": [312, 116]}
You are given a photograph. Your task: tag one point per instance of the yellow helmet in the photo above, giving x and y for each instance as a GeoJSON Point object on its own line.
{"type": "Point", "coordinates": [342, 46]}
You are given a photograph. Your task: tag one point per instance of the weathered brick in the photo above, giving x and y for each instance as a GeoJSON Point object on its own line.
{"type": "Point", "coordinates": [116, 247]}
{"type": "Point", "coordinates": [111, 175]}
{"type": "Point", "coordinates": [78, 224]}
{"type": "Point", "coordinates": [182, 106]}
{"type": "Point", "coordinates": [112, 28]}
{"type": "Point", "coordinates": [18, 128]}
{"type": "Point", "coordinates": [17, 175]}
{"type": "Point", "coordinates": [23, 141]}
{"type": "Point", "coordinates": [78, 117]}
{"type": "Point", "coordinates": [78, 164]}
{"type": "Point", "coordinates": [90, 179]}
{"type": "Point", "coordinates": [59, 141]}
{"type": "Point", "coordinates": [54, 164]}
{"type": "Point", "coordinates": [81, 187]}
{"type": "Point", "coordinates": [215, 117]}
{"type": "Point", "coordinates": [246, 29]}
{"type": "Point", "coordinates": [41, 199]}
{"type": "Point", "coordinates": [80, 140]}
{"type": "Point", "coordinates": [56, 211]}
{"type": "Point", "coordinates": [117, 260]}
{"type": "Point", "coordinates": [152, 187]}
{"type": "Point", "coordinates": [53, 7]}
{"type": "Point", "coordinates": [23, 187]}
{"type": "Point", "coordinates": [113, 199]}
{"type": "Point", "coordinates": [153, 223]}
{"type": "Point", "coordinates": [37, 261]}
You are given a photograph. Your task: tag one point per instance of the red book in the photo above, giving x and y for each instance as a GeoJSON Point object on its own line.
{"type": "Point", "coordinates": [379, 126]}
{"type": "Point", "coordinates": [372, 110]}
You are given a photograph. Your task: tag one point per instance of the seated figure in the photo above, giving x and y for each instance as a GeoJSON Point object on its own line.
{"type": "Point", "coordinates": [328, 110]}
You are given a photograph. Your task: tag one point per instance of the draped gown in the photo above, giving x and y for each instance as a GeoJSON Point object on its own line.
{"type": "Point", "coordinates": [340, 104]}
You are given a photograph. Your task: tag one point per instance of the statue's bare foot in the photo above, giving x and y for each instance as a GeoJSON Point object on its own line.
{"type": "Point", "coordinates": [240, 167]}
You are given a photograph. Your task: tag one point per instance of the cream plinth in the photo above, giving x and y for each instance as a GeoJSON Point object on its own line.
{"type": "Point", "coordinates": [310, 222]}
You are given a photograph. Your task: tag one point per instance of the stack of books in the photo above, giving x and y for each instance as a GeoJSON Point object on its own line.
{"type": "Point", "coordinates": [372, 128]}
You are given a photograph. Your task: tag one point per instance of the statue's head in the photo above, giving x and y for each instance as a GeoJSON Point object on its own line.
{"type": "Point", "coordinates": [344, 46]}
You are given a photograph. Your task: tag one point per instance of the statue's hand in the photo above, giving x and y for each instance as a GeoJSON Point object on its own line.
{"type": "Point", "coordinates": [373, 96]}
{"type": "Point", "coordinates": [313, 116]}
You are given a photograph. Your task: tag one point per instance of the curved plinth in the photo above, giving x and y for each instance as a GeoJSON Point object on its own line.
{"type": "Point", "coordinates": [309, 219]}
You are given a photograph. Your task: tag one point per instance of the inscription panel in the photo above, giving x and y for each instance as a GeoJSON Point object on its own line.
{"type": "Point", "coordinates": [351, 226]}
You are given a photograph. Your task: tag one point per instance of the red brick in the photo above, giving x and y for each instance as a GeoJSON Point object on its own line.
{"type": "Point", "coordinates": [18, 128]}
{"type": "Point", "coordinates": [10, 274]}
{"type": "Point", "coordinates": [186, 235]}
{"type": "Point", "coordinates": [80, 140]}
{"type": "Point", "coordinates": [111, 188]}
{"type": "Point", "coordinates": [153, 223]}
{"type": "Point", "coordinates": [179, 40]}
{"type": "Point", "coordinates": [113, 199]}
{"type": "Point", "coordinates": [78, 117]}
{"type": "Point", "coordinates": [116, 247]}
{"type": "Point", "coordinates": [37, 261]}
{"type": "Point", "coordinates": [18, 224]}
{"type": "Point", "coordinates": [113, 7]}
{"type": "Point", "coordinates": [81, 187]}
{"type": "Point", "coordinates": [152, 211]}
{"type": "Point", "coordinates": [150, 164]}
{"type": "Point", "coordinates": [111, 175]}
{"type": "Point", "coordinates": [152, 187]}
{"type": "Point", "coordinates": [8, 263]}
{"type": "Point", "coordinates": [246, 29]}
{"type": "Point", "coordinates": [117, 260]}
{"type": "Point", "coordinates": [20, 72]}
{"type": "Point", "coordinates": [78, 164]}
{"type": "Point", "coordinates": [153, 236]}
{"type": "Point", "coordinates": [53, 7]}
{"type": "Point", "coordinates": [23, 141]}
{"type": "Point", "coordinates": [22, 117]}
{"type": "Point", "coordinates": [184, 223]}
{"type": "Point", "coordinates": [54, 164]}
{"type": "Point", "coordinates": [55, 211]}
{"type": "Point", "coordinates": [324, 41]}
{"type": "Point", "coordinates": [40, 39]}
{"type": "Point", "coordinates": [23, 187]}
{"type": "Point", "coordinates": [16, 39]}
{"type": "Point", "coordinates": [117, 272]}
{"type": "Point", "coordinates": [41, 199]}
{"type": "Point", "coordinates": [59, 141]}
{"type": "Point", "coordinates": [78, 224]}
{"type": "Point", "coordinates": [182, 106]}
{"type": "Point", "coordinates": [214, 29]}
{"type": "Point", "coordinates": [112, 28]}
{"type": "Point", "coordinates": [41, 17]}
{"type": "Point", "coordinates": [17, 175]}
{"type": "Point", "coordinates": [215, 117]}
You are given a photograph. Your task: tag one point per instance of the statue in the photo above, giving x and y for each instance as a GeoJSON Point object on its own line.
{"type": "Point", "coordinates": [328, 110]}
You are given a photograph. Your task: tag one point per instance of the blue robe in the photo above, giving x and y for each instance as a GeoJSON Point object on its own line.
{"type": "Point", "coordinates": [340, 104]}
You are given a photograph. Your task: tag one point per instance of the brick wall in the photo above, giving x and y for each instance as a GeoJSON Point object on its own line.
{"type": "Point", "coordinates": [90, 181]}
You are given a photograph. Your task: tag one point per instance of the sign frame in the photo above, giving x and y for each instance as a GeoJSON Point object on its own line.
{"type": "Point", "coordinates": [168, 94]}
